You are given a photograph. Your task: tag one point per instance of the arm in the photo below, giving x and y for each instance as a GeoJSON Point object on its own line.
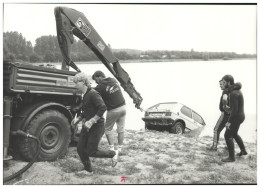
{"type": "Point", "coordinates": [234, 105]}
{"type": "Point", "coordinates": [100, 106]}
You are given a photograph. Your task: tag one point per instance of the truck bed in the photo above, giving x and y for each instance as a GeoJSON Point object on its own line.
{"type": "Point", "coordinates": [26, 77]}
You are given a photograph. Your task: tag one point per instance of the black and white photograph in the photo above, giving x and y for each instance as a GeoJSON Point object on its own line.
{"type": "Point", "coordinates": [122, 93]}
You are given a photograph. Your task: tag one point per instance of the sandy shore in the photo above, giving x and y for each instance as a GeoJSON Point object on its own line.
{"type": "Point", "coordinates": [149, 157]}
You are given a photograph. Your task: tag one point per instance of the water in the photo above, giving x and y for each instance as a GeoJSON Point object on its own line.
{"type": "Point", "coordinates": [193, 83]}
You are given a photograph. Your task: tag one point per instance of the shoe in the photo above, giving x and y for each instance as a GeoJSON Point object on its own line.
{"type": "Point", "coordinates": [111, 148]}
{"type": "Point", "coordinates": [87, 166]}
{"type": "Point", "coordinates": [212, 148]}
{"type": "Point", "coordinates": [228, 159]}
{"type": "Point", "coordinates": [115, 158]}
{"type": "Point", "coordinates": [241, 153]}
{"type": "Point", "coordinates": [84, 173]}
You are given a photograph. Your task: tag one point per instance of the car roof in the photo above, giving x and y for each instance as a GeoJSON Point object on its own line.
{"type": "Point", "coordinates": [176, 103]}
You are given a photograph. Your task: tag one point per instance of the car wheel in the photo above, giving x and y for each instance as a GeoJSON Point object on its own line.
{"type": "Point", "coordinates": [177, 128]}
{"type": "Point", "coordinates": [148, 126]}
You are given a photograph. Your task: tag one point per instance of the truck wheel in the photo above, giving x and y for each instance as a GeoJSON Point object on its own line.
{"type": "Point", "coordinates": [53, 130]}
{"type": "Point", "coordinates": [177, 128]}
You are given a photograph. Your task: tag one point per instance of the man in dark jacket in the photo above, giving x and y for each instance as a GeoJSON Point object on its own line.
{"type": "Point", "coordinates": [93, 108]}
{"type": "Point", "coordinates": [236, 118]}
{"type": "Point", "coordinates": [222, 119]}
{"type": "Point", "coordinates": [116, 108]}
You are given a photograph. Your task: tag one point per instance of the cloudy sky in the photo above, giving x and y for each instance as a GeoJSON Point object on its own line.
{"type": "Point", "coordinates": [212, 28]}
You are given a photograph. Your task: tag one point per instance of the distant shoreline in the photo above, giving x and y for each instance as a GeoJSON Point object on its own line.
{"type": "Point", "coordinates": [150, 61]}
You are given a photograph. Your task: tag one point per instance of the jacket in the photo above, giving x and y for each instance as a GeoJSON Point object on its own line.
{"type": "Point", "coordinates": [92, 104]}
{"type": "Point", "coordinates": [111, 93]}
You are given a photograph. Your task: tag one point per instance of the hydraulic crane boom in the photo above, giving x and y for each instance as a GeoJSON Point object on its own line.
{"type": "Point", "coordinates": [70, 22]}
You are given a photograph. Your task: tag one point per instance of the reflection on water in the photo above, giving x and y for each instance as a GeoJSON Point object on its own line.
{"type": "Point", "coordinates": [195, 84]}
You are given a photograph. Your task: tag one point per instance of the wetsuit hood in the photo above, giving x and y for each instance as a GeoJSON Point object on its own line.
{"type": "Point", "coordinates": [236, 86]}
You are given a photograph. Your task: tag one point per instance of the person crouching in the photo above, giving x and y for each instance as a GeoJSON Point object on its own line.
{"type": "Point", "coordinates": [93, 108]}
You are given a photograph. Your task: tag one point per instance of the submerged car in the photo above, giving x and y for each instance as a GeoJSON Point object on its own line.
{"type": "Point", "coordinates": [172, 116]}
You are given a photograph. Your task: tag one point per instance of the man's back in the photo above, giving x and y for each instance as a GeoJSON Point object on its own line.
{"type": "Point", "coordinates": [237, 105]}
{"type": "Point", "coordinates": [111, 93]}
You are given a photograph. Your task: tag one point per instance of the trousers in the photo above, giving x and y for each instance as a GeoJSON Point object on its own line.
{"type": "Point", "coordinates": [89, 141]}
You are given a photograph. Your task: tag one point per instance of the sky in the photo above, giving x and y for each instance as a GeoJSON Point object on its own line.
{"type": "Point", "coordinates": [203, 28]}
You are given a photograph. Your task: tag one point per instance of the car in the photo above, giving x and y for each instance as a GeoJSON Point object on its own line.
{"type": "Point", "coordinates": [172, 116]}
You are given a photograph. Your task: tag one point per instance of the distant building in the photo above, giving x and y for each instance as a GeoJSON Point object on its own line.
{"type": "Point", "coordinates": [164, 56]}
{"type": "Point", "coordinates": [144, 56]}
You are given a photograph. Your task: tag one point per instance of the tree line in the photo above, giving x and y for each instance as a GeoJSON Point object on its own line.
{"type": "Point", "coordinates": [46, 49]}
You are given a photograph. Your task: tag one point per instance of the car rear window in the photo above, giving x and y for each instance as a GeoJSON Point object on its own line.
{"type": "Point", "coordinates": [197, 118]}
{"type": "Point", "coordinates": [166, 106]}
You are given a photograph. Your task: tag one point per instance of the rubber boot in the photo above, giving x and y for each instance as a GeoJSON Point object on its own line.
{"type": "Point", "coordinates": [231, 157]}
{"type": "Point", "coordinates": [231, 151]}
{"type": "Point", "coordinates": [242, 152]}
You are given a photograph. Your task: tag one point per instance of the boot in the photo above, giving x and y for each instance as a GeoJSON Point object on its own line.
{"type": "Point", "coordinates": [87, 166]}
{"type": "Point", "coordinates": [231, 157]}
{"type": "Point", "coordinates": [242, 152]}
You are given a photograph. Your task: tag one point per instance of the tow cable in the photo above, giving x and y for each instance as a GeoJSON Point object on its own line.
{"type": "Point", "coordinates": [26, 167]}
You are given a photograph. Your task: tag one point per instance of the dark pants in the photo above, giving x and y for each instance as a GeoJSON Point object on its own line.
{"type": "Point", "coordinates": [89, 141]}
{"type": "Point", "coordinates": [218, 128]}
{"type": "Point", "coordinates": [232, 133]}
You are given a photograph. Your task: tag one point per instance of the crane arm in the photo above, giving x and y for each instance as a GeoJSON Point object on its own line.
{"type": "Point", "coordinates": [71, 22]}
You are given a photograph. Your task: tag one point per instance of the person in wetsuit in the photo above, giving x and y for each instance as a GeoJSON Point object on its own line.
{"type": "Point", "coordinates": [236, 118]}
{"type": "Point", "coordinates": [221, 123]}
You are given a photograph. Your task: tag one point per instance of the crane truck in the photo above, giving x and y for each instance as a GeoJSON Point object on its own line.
{"type": "Point", "coordinates": [39, 101]}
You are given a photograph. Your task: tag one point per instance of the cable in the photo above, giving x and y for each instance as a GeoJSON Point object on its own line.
{"type": "Point", "coordinates": [21, 133]}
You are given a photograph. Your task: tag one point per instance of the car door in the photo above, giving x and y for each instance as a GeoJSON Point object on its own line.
{"type": "Point", "coordinates": [186, 115]}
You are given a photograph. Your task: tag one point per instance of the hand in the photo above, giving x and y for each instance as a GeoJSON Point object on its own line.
{"type": "Point", "coordinates": [75, 121]}
{"type": "Point", "coordinates": [88, 125]}
{"type": "Point", "coordinates": [228, 125]}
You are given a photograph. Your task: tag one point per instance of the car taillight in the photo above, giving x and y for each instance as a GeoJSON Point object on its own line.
{"type": "Point", "coordinates": [168, 114]}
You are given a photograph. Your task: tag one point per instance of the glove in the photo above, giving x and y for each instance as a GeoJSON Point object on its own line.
{"type": "Point", "coordinates": [227, 109]}
{"type": "Point", "coordinates": [228, 125]}
{"type": "Point", "coordinates": [88, 125]}
{"type": "Point", "coordinates": [75, 121]}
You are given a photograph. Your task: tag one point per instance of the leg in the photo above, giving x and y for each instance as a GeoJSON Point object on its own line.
{"type": "Point", "coordinates": [121, 127]}
{"type": "Point", "coordinates": [239, 141]}
{"type": "Point", "coordinates": [215, 133]}
{"type": "Point", "coordinates": [230, 144]}
{"type": "Point", "coordinates": [221, 126]}
{"type": "Point", "coordinates": [82, 143]}
{"type": "Point", "coordinates": [96, 134]}
{"type": "Point", "coordinates": [110, 122]}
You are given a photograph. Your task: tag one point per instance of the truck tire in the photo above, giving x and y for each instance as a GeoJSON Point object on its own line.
{"type": "Point", "coordinates": [177, 128]}
{"type": "Point", "coordinates": [54, 132]}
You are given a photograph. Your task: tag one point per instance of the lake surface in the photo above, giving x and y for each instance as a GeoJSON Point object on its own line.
{"type": "Point", "coordinates": [193, 83]}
